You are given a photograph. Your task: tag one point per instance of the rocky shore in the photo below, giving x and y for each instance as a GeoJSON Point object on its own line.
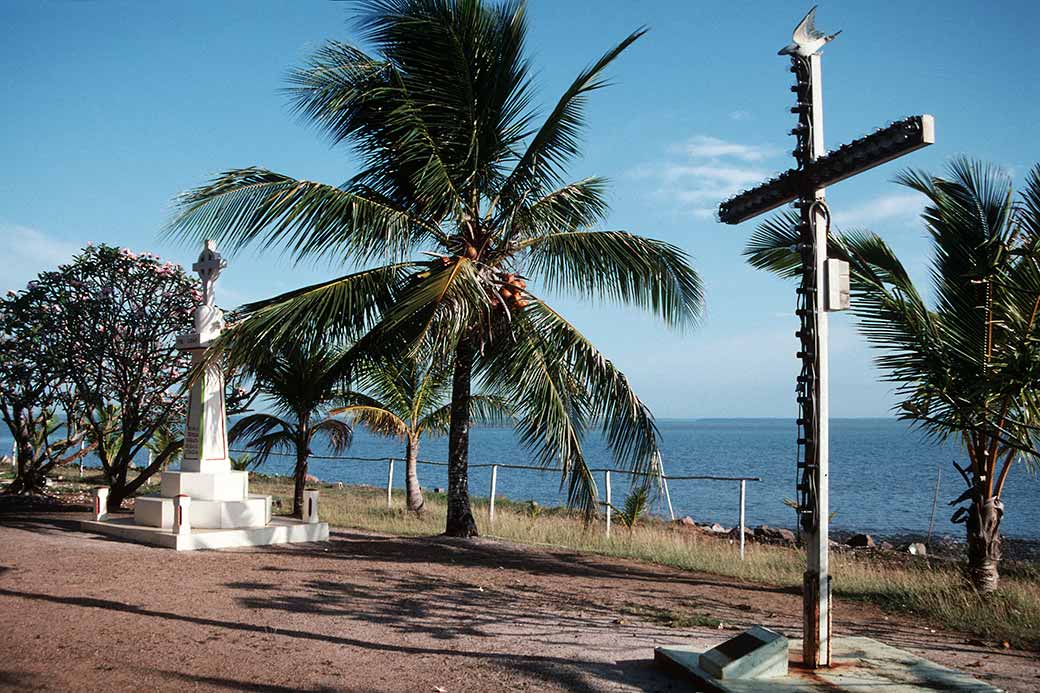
{"type": "Point", "coordinates": [943, 546]}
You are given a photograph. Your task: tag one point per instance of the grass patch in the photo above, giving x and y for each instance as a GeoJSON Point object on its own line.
{"type": "Point", "coordinates": [670, 618]}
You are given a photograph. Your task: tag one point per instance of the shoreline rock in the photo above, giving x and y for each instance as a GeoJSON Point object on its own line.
{"type": "Point", "coordinates": [861, 541]}
{"type": "Point", "coordinates": [775, 535]}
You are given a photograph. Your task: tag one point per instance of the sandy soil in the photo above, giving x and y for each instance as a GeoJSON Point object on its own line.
{"type": "Point", "coordinates": [365, 612]}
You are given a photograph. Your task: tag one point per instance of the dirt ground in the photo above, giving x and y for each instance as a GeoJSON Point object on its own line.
{"type": "Point", "coordinates": [364, 612]}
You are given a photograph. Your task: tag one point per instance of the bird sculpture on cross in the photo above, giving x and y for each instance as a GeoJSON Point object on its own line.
{"type": "Point", "coordinates": [823, 288]}
{"type": "Point", "coordinates": [806, 40]}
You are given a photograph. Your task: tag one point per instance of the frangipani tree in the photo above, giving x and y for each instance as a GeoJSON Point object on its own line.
{"type": "Point", "coordinates": [407, 399]}
{"type": "Point", "coordinates": [33, 391]}
{"type": "Point", "coordinates": [463, 193]}
{"type": "Point", "coordinates": [111, 316]}
{"type": "Point", "coordinates": [968, 368]}
{"type": "Point", "coordinates": [120, 312]}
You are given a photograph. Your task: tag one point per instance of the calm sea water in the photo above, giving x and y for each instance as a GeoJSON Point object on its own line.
{"type": "Point", "coordinates": [883, 474]}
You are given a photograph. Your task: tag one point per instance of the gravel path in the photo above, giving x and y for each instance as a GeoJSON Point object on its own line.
{"type": "Point", "coordinates": [365, 612]}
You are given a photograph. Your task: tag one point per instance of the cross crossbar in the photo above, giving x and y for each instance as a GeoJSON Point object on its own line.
{"type": "Point", "coordinates": [896, 140]}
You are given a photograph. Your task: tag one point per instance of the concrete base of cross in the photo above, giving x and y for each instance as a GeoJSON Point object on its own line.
{"type": "Point", "coordinates": [858, 664]}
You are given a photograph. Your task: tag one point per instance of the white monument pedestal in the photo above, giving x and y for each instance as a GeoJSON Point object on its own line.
{"type": "Point", "coordinates": [281, 530]}
{"type": "Point", "coordinates": [206, 504]}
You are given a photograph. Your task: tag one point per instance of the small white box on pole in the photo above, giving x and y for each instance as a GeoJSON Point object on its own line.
{"type": "Point", "coordinates": [837, 285]}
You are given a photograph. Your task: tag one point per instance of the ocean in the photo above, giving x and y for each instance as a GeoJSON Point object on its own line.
{"type": "Point", "coordinates": [883, 473]}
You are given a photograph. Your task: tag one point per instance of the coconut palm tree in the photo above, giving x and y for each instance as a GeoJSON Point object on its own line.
{"type": "Point", "coordinates": [466, 197]}
{"type": "Point", "coordinates": [300, 383]}
{"type": "Point", "coordinates": [408, 399]}
{"type": "Point", "coordinates": [966, 368]}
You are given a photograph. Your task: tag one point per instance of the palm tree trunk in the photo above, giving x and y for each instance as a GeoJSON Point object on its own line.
{"type": "Point", "coordinates": [299, 481]}
{"type": "Point", "coordinates": [460, 516]}
{"type": "Point", "coordinates": [300, 473]}
{"type": "Point", "coordinates": [411, 477]}
{"type": "Point", "coordinates": [984, 551]}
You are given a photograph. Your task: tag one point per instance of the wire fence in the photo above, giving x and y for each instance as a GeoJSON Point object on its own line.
{"type": "Point", "coordinates": [605, 471]}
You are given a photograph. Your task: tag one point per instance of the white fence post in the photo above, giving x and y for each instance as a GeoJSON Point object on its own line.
{"type": "Point", "coordinates": [606, 477]}
{"type": "Point", "coordinates": [390, 484]}
{"type": "Point", "coordinates": [743, 493]}
{"type": "Point", "coordinates": [491, 500]}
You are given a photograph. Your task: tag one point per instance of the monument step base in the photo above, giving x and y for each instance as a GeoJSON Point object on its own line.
{"type": "Point", "coordinates": [859, 664]}
{"type": "Point", "coordinates": [217, 486]}
{"type": "Point", "coordinates": [281, 530]}
{"type": "Point", "coordinates": [156, 511]}
{"type": "Point", "coordinates": [213, 466]}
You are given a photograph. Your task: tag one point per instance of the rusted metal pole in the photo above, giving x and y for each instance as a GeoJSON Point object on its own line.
{"type": "Point", "coordinates": [816, 621]}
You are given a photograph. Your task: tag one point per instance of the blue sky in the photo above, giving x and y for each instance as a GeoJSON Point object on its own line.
{"type": "Point", "coordinates": [111, 109]}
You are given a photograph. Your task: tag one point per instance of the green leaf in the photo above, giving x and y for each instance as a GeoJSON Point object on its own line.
{"type": "Point", "coordinates": [623, 268]}
{"type": "Point", "coordinates": [253, 205]}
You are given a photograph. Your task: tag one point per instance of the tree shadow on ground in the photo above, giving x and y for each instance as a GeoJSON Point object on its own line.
{"type": "Point", "coordinates": [197, 681]}
{"type": "Point", "coordinates": [356, 546]}
{"type": "Point", "coordinates": [724, 598]}
{"type": "Point", "coordinates": [572, 674]}
{"type": "Point", "coordinates": [18, 519]}
{"type": "Point", "coordinates": [540, 603]}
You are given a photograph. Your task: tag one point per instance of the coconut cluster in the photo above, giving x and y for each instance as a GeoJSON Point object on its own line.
{"type": "Point", "coordinates": [512, 291]}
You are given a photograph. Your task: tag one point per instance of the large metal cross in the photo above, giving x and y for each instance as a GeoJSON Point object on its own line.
{"type": "Point", "coordinates": [824, 287]}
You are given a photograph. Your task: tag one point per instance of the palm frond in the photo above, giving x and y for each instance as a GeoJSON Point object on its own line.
{"type": "Point", "coordinates": [773, 246]}
{"type": "Point", "coordinates": [264, 434]}
{"type": "Point", "coordinates": [307, 219]}
{"type": "Point", "coordinates": [634, 506]}
{"type": "Point", "coordinates": [552, 409]}
{"type": "Point", "coordinates": [342, 90]}
{"type": "Point", "coordinates": [967, 219]}
{"type": "Point", "coordinates": [1028, 214]}
{"type": "Point", "coordinates": [625, 420]}
{"type": "Point", "coordinates": [571, 207]}
{"type": "Point", "coordinates": [621, 267]}
{"type": "Point", "coordinates": [457, 95]}
{"type": "Point", "coordinates": [385, 381]}
{"type": "Point", "coordinates": [338, 433]}
{"type": "Point", "coordinates": [436, 306]}
{"type": "Point", "coordinates": [490, 410]}
{"type": "Point", "coordinates": [338, 311]}
{"type": "Point", "coordinates": [557, 141]}
{"type": "Point", "coordinates": [375, 418]}
{"type": "Point", "coordinates": [561, 385]}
